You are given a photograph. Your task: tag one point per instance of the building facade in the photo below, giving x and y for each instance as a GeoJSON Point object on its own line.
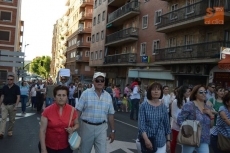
{"type": "Point", "coordinates": [124, 38]}
{"type": "Point", "coordinates": [11, 31]}
{"type": "Point", "coordinates": [192, 51]}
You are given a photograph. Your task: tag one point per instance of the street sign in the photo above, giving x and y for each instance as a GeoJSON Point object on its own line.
{"type": "Point", "coordinates": [11, 58]}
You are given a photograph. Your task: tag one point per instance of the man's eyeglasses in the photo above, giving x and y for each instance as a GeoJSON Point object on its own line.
{"type": "Point", "coordinates": [10, 79]}
{"type": "Point", "coordinates": [99, 80]}
{"type": "Point", "coordinates": [213, 87]}
{"type": "Point", "coordinates": [202, 92]}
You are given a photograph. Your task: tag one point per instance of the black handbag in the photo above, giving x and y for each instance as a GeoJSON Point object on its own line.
{"type": "Point", "coordinates": [144, 149]}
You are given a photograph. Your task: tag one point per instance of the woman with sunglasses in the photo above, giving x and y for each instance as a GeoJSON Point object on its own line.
{"type": "Point", "coordinates": [217, 102]}
{"type": "Point", "coordinates": [197, 109]}
{"type": "Point", "coordinates": [222, 124]}
{"type": "Point", "coordinates": [177, 104]}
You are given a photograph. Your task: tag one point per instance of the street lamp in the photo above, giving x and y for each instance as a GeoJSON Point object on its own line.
{"type": "Point", "coordinates": [24, 57]}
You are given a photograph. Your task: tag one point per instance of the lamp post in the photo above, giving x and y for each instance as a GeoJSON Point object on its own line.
{"type": "Point", "coordinates": [24, 57]}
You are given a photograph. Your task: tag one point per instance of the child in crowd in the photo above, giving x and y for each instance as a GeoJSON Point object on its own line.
{"type": "Point", "coordinates": [125, 103]}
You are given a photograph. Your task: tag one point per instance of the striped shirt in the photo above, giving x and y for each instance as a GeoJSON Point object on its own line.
{"type": "Point", "coordinates": [222, 127]}
{"type": "Point", "coordinates": [95, 109]}
{"type": "Point", "coordinates": [154, 121]}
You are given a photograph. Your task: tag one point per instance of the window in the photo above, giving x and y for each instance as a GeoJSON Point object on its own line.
{"type": "Point", "coordinates": [91, 56]}
{"type": "Point", "coordinates": [96, 55]}
{"type": "Point", "coordinates": [145, 22]}
{"type": "Point", "coordinates": [5, 35]}
{"type": "Point", "coordinates": [5, 16]}
{"type": "Point", "coordinates": [102, 34]}
{"type": "Point", "coordinates": [188, 41]}
{"type": "Point", "coordinates": [173, 14]}
{"type": "Point", "coordinates": [94, 21]}
{"type": "Point", "coordinates": [87, 53]}
{"type": "Point", "coordinates": [190, 7]}
{"type": "Point", "coordinates": [93, 38]}
{"type": "Point", "coordinates": [156, 45]}
{"type": "Point", "coordinates": [97, 37]}
{"type": "Point", "coordinates": [158, 17]}
{"type": "Point", "coordinates": [88, 39]}
{"type": "Point", "coordinates": [171, 44]}
{"type": "Point", "coordinates": [99, 2]}
{"type": "Point", "coordinates": [143, 49]}
{"type": "Point", "coordinates": [3, 74]}
{"type": "Point", "coordinates": [98, 18]}
{"type": "Point", "coordinates": [95, 4]}
{"type": "Point", "coordinates": [103, 16]}
{"type": "Point", "coordinates": [100, 55]}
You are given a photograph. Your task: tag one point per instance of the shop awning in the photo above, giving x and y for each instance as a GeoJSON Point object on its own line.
{"type": "Point", "coordinates": [224, 63]}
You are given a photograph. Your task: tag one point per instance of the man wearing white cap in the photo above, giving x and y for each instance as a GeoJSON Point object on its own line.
{"type": "Point", "coordinates": [96, 109]}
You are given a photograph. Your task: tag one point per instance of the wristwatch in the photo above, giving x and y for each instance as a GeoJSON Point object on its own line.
{"type": "Point", "coordinates": [113, 131]}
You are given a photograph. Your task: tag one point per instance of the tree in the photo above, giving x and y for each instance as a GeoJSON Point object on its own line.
{"type": "Point", "coordinates": [41, 66]}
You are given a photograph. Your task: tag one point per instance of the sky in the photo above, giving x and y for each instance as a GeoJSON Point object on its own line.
{"type": "Point", "coordinates": [39, 16]}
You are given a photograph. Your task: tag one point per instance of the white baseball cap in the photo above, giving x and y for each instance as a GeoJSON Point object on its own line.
{"type": "Point", "coordinates": [97, 74]}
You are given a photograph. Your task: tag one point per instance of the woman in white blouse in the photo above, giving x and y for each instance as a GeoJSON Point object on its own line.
{"type": "Point", "coordinates": [33, 96]}
{"type": "Point", "coordinates": [177, 104]}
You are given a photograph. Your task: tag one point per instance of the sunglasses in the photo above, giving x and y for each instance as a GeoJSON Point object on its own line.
{"type": "Point", "coordinates": [202, 92]}
{"type": "Point", "coordinates": [213, 87]}
{"type": "Point", "coordinates": [10, 79]}
{"type": "Point", "coordinates": [99, 80]}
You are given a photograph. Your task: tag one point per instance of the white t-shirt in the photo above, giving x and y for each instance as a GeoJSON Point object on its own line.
{"type": "Point", "coordinates": [166, 100]}
{"type": "Point", "coordinates": [175, 111]}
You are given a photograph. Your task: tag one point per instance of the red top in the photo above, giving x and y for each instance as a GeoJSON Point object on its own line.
{"type": "Point", "coordinates": [56, 135]}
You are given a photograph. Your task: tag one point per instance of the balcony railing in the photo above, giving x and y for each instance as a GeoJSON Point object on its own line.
{"type": "Point", "coordinates": [120, 58]}
{"type": "Point", "coordinates": [84, 2]}
{"type": "Point", "coordinates": [188, 12]}
{"type": "Point", "coordinates": [207, 50]}
{"type": "Point", "coordinates": [84, 30]}
{"type": "Point", "coordinates": [83, 44]}
{"type": "Point", "coordinates": [84, 15]}
{"type": "Point", "coordinates": [131, 6]}
{"type": "Point", "coordinates": [122, 34]}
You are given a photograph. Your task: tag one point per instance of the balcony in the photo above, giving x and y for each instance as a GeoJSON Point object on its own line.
{"type": "Point", "coordinates": [201, 52]}
{"type": "Point", "coordinates": [84, 16]}
{"type": "Point", "coordinates": [116, 3]}
{"type": "Point", "coordinates": [84, 3]}
{"type": "Point", "coordinates": [65, 31]}
{"type": "Point", "coordinates": [82, 30]}
{"type": "Point", "coordinates": [188, 16]}
{"type": "Point", "coordinates": [66, 20]}
{"type": "Point", "coordinates": [122, 37]}
{"type": "Point", "coordinates": [128, 58]}
{"type": "Point", "coordinates": [83, 44]}
{"type": "Point", "coordinates": [78, 58]}
{"type": "Point", "coordinates": [125, 12]}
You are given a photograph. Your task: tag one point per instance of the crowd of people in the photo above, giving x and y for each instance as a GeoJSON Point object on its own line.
{"type": "Point", "coordinates": [159, 114]}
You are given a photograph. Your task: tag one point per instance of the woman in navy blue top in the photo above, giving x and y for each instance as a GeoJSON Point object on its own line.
{"type": "Point", "coordinates": [153, 120]}
{"type": "Point", "coordinates": [222, 124]}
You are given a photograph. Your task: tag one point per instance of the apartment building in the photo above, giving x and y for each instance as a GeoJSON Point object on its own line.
{"type": "Point", "coordinates": [11, 31]}
{"type": "Point", "coordinates": [192, 51]}
{"type": "Point", "coordinates": [124, 38]}
{"type": "Point", "coordinates": [58, 48]}
{"type": "Point", "coordinates": [79, 24]}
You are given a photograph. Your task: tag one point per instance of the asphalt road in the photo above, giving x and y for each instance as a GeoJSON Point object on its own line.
{"type": "Point", "coordinates": [25, 137]}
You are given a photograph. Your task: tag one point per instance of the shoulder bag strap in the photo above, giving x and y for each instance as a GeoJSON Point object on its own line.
{"type": "Point", "coordinates": [194, 107]}
{"type": "Point", "coordinates": [71, 116]}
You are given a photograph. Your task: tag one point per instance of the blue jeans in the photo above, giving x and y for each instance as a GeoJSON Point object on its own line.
{"type": "Point", "coordinates": [33, 101]}
{"type": "Point", "coordinates": [72, 102]}
{"type": "Point", "coordinates": [49, 101]}
{"type": "Point", "coordinates": [24, 100]}
{"type": "Point", "coordinates": [204, 148]}
{"type": "Point", "coordinates": [135, 106]}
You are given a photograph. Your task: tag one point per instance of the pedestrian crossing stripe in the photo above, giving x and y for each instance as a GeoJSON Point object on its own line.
{"type": "Point", "coordinates": [19, 116]}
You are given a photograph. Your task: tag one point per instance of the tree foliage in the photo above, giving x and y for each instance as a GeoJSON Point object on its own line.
{"type": "Point", "coordinates": [41, 66]}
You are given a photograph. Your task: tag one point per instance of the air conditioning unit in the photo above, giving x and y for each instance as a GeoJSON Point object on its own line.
{"type": "Point", "coordinates": [78, 57]}
{"type": "Point", "coordinates": [76, 71]}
